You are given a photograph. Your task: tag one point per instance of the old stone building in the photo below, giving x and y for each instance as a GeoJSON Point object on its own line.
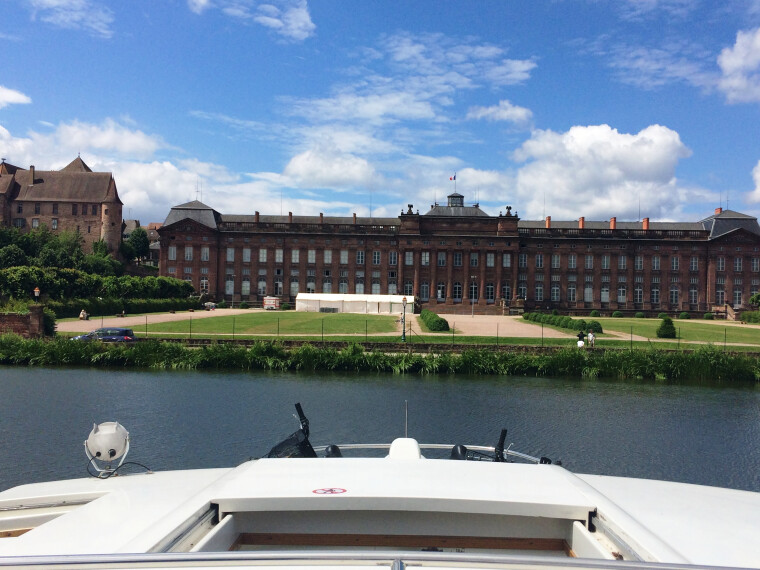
{"type": "Point", "coordinates": [71, 199]}
{"type": "Point", "coordinates": [455, 256]}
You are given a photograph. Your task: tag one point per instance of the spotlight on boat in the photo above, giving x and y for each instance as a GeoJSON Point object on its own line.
{"type": "Point", "coordinates": [107, 443]}
{"type": "Point", "coordinates": [459, 453]}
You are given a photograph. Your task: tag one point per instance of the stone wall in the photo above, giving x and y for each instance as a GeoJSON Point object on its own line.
{"type": "Point", "coordinates": [28, 326]}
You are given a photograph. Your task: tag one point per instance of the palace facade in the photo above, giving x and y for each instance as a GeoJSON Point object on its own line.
{"type": "Point", "coordinates": [72, 199]}
{"type": "Point", "coordinates": [456, 255]}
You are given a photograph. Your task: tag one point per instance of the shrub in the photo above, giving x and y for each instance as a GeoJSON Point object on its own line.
{"type": "Point", "coordinates": [662, 315]}
{"type": "Point", "coordinates": [222, 304]}
{"type": "Point", "coordinates": [564, 322]}
{"type": "Point", "coordinates": [666, 329]}
{"type": "Point", "coordinates": [243, 305]}
{"type": "Point", "coordinates": [595, 326]}
{"type": "Point", "coordinates": [708, 316]}
{"type": "Point", "coordinates": [594, 313]}
{"type": "Point", "coordinates": [555, 312]}
{"type": "Point", "coordinates": [285, 307]}
{"type": "Point", "coordinates": [684, 315]}
{"type": "Point", "coordinates": [434, 322]}
{"type": "Point", "coordinates": [639, 315]}
{"type": "Point", "coordinates": [751, 316]}
{"type": "Point", "coordinates": [617, 314]}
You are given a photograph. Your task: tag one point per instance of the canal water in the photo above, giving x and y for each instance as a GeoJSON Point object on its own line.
{"type": "Point", "coordinates": [181, 420]}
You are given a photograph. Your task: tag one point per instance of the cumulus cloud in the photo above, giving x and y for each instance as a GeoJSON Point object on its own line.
{"type": "Point", "coordinates": [88, 15]}
{"type": "Point", "coordinates": [11, 96]}
{"type": "Point", "coordinates": [504, 111]}
{"type": "Point", "coordinates": [288, 18]}
{"type": "Point", "coordinates": [740, 66]}
{"type": "Point", "coordinates": [326, 168]}
{"type": "Point", "coordinates": [754, 196]}
{"type": "Point", "coordinates": [595, 171]}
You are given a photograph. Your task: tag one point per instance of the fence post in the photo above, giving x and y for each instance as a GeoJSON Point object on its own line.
{"type": "Point", "coordinates": [233, 327]}
{"type": "Point", "coordinates": [632, 338]}
{"type": "Point", "coordinates": [191, 327]}
{"type": "Point", "coordinates": [146, 326]}
{"type": "Point", "coordinates": [323, 330]}
{"type": "Point", "coordinates": [542, 334]}
{"type": "Point", "coordinates": [278, 327]}
{"type": "Point", "coordinates": [497, 335]}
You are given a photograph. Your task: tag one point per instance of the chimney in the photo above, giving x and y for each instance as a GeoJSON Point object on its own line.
{"type": "Point", "coordinates": [645, 223]}
{"type": "Point", "coordinates": [354, 218]}
{"type": "Point", "coordinates": [613, 223]}
{"type": "Point", "coordinates": [581, 222]}
{"type": "Point", "coordinates": [257, 217]}
{"type": "Point", "coordinates": [321, 218]}
{"type": "Point", "coordinates": [290, 217]}
{"type": "Point", "coordinates": [717, 210]}
{"type": "Point", "coordinates": [31, 171]}
{"type": "Point", "coordinates": [548, 222]}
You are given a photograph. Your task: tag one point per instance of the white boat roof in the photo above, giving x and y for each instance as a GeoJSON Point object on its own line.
{"type": "Point", "coordinates": [146, 513]}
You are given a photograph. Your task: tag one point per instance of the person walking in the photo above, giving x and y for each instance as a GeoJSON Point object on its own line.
{"type": "Point", "coordinates": [581, 336]}
{"type": "Point", "coordinates": [591, 338]}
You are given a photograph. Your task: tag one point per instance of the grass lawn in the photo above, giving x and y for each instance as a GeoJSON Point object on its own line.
{"type": "Point", "coordinates": [288, 323]}
{"type": "Point", "coordinates": [690, 330]}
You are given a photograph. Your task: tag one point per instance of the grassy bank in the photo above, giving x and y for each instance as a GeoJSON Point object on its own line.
{"type": "Point", "coordinates": [704, 364]}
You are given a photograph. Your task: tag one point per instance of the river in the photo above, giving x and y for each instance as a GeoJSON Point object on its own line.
{"type": "Point", "coordinates": [179, 420]}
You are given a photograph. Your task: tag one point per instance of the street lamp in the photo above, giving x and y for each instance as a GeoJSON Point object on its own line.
{"type": "Point", "coordinates": [472, 294]}
{"type": "Point", "coordinates": [403, 320]}
{"type": "Point", "coordinates": [36, 294]}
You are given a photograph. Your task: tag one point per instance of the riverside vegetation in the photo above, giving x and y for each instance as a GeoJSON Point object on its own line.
{"type": "Point", "coordinates": [705, 364]}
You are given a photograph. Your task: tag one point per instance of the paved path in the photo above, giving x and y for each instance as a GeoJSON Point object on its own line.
{"type": "Point", "coordinates": [136, 322]}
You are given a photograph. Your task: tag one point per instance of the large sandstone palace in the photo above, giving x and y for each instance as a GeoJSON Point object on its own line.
{"type": "Point", "coordinates": [456, 254]}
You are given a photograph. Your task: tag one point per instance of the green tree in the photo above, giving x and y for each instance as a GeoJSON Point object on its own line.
{"type": "Point", "coordinates": [666, 329]}
{"type": "Point", "coordinates": [12, 256]}
{"type": "Point", "coordinates": [139, 242]}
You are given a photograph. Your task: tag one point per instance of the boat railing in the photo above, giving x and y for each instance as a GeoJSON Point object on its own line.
{"type": "Point", "coordinates": [480, 449]}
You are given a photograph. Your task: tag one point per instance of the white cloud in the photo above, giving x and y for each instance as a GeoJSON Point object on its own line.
{"type": "Point", "coordinates": [108, 136]}
{"type": "Point", "coordinates": [597, 172]}
{"type": "Point", "coordinates": [325, 168]}
{"type": "Point", "coordinates": [740, 65]}
{"type": "Point", "coordinates": [88, 15]}
{"type": "Point", "coordinates": [288, 18]}
{"type": "Point", "coordinates": [638, 9]}
{"type": "Point", "coordinates": [11, 96]}
{"type": "Point", "coordinates": [504, 111]}
{"type": "Point", "coordinates": [754, 196]}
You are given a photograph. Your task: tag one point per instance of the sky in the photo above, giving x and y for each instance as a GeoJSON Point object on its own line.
{"type": "Point", "coordinates": [561, 108]}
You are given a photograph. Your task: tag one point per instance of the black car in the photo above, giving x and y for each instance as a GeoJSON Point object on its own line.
{"type": "Point", "coordinates": [108, 334]}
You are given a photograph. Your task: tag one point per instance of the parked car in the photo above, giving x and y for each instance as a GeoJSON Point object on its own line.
{"type": "Point", "coordinates": [108, 334]}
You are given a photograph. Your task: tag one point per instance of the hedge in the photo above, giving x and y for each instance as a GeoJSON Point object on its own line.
{"type": "Point", "coordinates": [564, 322]}
{"type": "Point", "coordinates": [98, 307]}
{"type": "Point", "coordinates": [434, 322]}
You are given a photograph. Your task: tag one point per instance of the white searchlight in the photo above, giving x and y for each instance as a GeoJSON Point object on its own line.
{"type": "Point", "coordinates": [107, 443]}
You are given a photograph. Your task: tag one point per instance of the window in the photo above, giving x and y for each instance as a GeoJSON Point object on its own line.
{"type": "Point", "coordinates": [588, 293]}
{"type": "Point", "coordinates": [654, 295]}
{"type": "Point", "coordinates": [441, 259]}
{"type": "Point", "coordinates": [457, 292]}
{"type": "Point", "coordinates": [458, 259]}
{"type": "Point", "coordinates": [440, 291]}
{"type": "Point", "coordinates": [621, 294]}
{"type": "Point", "coordinates": [74, 208]}
{"type": "Point", "coordinates": [522, 260]}
{"type": "Point", "coordinates": [622, 261]}
{"type": "Point", "coordinates": [638, 263]}
{"type": "Point", "coordinates": [738, 263]}
{"type": "Point", "coordinates": [425, 258]}
{"type": "Point", "coordinates": [312, 256]}
{"type": "Point", "coordinates": [35, 222]}
{"type": "Point", "coordinates": [55, 208]}
{"type": "Point", "coordinates": [230, 254]}
{"type": "Point", "coordinates": [408, 287]}
{"type": "Point", "coordinates": [589, 262]}
{"type": "Point", "coordinates": [204, 253]}
{"type": "Point", "coordinates": [392, 259]}
{"type": "Point", "coordinates": [408, 260]}
{"type": "Point", "coordinates": [473, 291]}
{"type": "Point", "coordinates": [605, 298]}
{"type": "Point", "coordinates": [37, 208]}
{"type": "Point", "coordinates": [359, 257]}
{"type": "Point", "coordinates": [539, 261]}
{"type": "Point", "coordinates": [737, 297]}
{"type": "Point", "coordinates": [278, 254]}
{"type": "Point", "coordinates": [261, 285]}
{"type": "Point", "coordinates": [674, 292]}
{"type": "Point", "coordinates": [204, 284]}
{"type": "Point", "coordinates": [490, 259]}
{"type": "Point", "coordinates": [555, 292]}
{"type": "Point", "coordinates": [188, 253]}
{"type": "Point", "coordinates": [656, 263]}
{"type": "Point", "coordinates": [638, 294]}
{"type": "Point", "coordinates": [425, 290]}
{"type": "Point", "coordinates": [295, 256]}
{"type": "Point", "coordinates": [506, 260]}
{"type": "Point", "coordinates": [675, 263]}
{"type": "Point", "coordinates": [606, 261]}
{"type": "Point", "coordinates": [94, 210]}
{"type": "Point", "coordinates": [571, 293]}
{"type": "Point", "coordinates": [506, 292]}
{"type": "Point", "coordinates": [555, 261]}
{"type": "Point", "coordinates": [172, 253]}
{"type": "Point", "coordinates": [572, 261]}
{"type": "Point", "coordinates": [474, 259]}
{"type": "Point", "coordinates": [522, 290]}
{"type": "Point", "coordinates": [721, 265]}
{"type": "Point", "coordinates": [375, 257]}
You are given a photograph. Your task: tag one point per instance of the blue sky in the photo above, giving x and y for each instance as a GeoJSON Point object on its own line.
{"type": "Point", "coordinates": [563, 108]}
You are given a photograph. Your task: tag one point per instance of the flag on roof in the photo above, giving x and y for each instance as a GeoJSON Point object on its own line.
{"type": "Point", "coordinates": [453, 177]}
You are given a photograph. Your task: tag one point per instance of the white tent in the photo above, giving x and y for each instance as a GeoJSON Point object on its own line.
{"type": "Point", "coordinates": [344, 303]}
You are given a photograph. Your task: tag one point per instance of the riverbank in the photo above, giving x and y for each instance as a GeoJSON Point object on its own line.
{"type": "Point", "coordinates": [703, 364]}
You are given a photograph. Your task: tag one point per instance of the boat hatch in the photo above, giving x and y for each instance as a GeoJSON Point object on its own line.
{"type": "Point", "coordinates": [19, 519]}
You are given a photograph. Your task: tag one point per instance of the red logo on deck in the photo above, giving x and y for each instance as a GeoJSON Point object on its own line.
{"type": "Point", "coordinates": [329, 491]}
